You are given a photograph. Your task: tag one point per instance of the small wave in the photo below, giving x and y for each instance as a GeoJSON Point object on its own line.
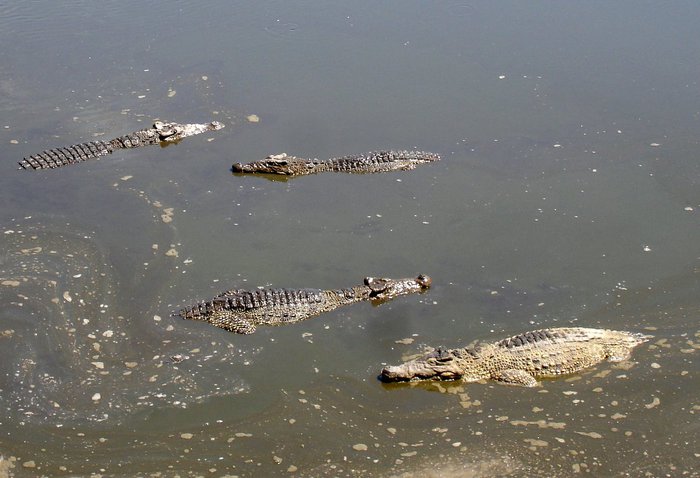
{"type": "Point", "coordinates": [281, 29]}
{"type": "Point", "coordinates": [69, 356]}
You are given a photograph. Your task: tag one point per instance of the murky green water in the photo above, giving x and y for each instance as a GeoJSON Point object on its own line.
{"type": "Point", "coordinates": [568, 194]}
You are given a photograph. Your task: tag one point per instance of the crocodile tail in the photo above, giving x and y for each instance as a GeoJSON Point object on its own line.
{"type": "Point", "coordinates": [57, 157]}
{"type": "Point", "coordinates": [198, 311]}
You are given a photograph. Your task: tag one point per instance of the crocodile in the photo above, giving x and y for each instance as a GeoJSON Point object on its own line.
{"type": "Point", "coordinates": [160, 133]}
{"type": "Point", "coordinates": [522, 359]}
{"type": "Point", "coordinates": [372, 162]}
{"type": "Point", "coordinates": [241, 311]}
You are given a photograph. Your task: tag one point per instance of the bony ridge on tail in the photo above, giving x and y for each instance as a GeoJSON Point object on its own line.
{"type": "Point", "coordinates": [161, 132]}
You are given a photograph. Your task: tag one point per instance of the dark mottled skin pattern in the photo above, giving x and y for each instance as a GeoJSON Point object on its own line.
{"type": "Point", "coordinates": [241, 311]}
{"type": "Point", "coordinates": [521, 359]}
{"type": "Point", "coordinates": [372, 162]}
{"type": "Point", "coordinates": [159, 133]}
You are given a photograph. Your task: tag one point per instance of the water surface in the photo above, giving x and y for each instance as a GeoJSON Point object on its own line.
{"type": "Point", "coordinates": [567, 194]}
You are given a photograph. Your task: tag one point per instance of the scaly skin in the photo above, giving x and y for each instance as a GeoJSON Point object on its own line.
{"type": "Point", "coordinates": [521, 359]}
{"type": "Point", "coordinates": [373, 162]}
{"type": "Point", "coordinates": [241, 311]}
{"type": "Point", "coordinates": [159, 133]}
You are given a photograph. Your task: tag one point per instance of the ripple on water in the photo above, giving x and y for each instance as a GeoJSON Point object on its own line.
{"type": "Point", "coordinates": [281, 29]}
{"type": "Point", "coordinates": [69, 356]}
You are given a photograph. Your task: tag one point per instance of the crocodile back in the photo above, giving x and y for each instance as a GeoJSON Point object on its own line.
{"type": "Point", "coordinates": [379, 161]}
{"type": "Point", "coordinates": [249, 301]}
{"type": "Point", "coordinates": [144, 137]}
{"type": "Point", "coordinates": [271, 297]}
{"type": "Point", "coordinates": [241, 311]}
{"type": "Point", "coordinates": [553, 338]}
{"type": "Point", "coordinates": [557, 351]}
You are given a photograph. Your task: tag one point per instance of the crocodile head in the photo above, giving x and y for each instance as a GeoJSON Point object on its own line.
{"type": "Point", "coordinates": [440, 364]}
{"type": "Point", "coordinates": [273, 164]}
{"type": "Point", "coordinates": [383, 289]}
{"type": "Point", "coordinates": [176, 131]}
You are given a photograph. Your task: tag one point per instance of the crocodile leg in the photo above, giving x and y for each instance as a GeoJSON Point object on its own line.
{"type": "Point", "coordinates": [617, 353]}
{"type": "Point", "coordinates": [242, 327]}
{"type": "Point", "coordinates": [232, 324]}
{"type": "Point", "coordinates": [515, 377]}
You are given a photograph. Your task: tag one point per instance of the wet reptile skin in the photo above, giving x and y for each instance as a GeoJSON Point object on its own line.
{"type": "Point", "coordinates": [241, 311]}
{"type": "Point", "coordinates": [372, 162]}
{"type": "Point", "coordinates": [521, 359]}
{"type": "Point", "coordinates": [160, 133]}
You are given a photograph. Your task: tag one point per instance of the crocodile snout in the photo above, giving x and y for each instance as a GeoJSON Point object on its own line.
{"type": "Point", "coordinates": [392, 374]}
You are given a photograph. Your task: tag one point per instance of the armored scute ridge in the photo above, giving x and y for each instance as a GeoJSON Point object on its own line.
{"type": "Point", "coordinates": [241, 311]}
{"type": "Point", "coordinates": [159, 133]}
{"type": "Point", "coordinates": [521, 359]}
{"type": "Point", "coordinates": [373, 162]}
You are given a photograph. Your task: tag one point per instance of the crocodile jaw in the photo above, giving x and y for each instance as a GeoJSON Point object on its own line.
{"type": "Point", "coordinates": [403, 373]}
{"type": "Point", "coordinates": [419, 370]}
{"type": "Point", "coordinates": [175, 131]}
{"type": "Point", "coordinates": [383, 289]}
{"type": "Point", "coordinates": [440, 364]}
{"type": "Point", "coordinates": [273, 164]}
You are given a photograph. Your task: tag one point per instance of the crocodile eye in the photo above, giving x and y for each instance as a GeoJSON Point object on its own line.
{"type": "Point", "coordinates": [440, 356]}
{"type": "Point", "coordinates": [377, 285]}
{"type": "Point", "coordinates": [424, 281]}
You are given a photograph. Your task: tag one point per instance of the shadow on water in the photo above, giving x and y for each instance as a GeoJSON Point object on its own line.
{"type": "Point", "coordinates": [275, 178]}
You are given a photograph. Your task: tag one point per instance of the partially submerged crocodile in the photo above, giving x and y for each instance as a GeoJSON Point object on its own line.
{"type": "Point", "coordinates": [160, 133]}
{"type": "Point", "coordinates": [241, 311]}
{"type": "Point", "coordinates": [372, 162]}
{"type": "Point", "coordinates": [521, 359]}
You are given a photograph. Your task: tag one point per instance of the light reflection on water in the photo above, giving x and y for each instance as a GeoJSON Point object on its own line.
{"type": "Point", "coordinates": [567, 194]}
